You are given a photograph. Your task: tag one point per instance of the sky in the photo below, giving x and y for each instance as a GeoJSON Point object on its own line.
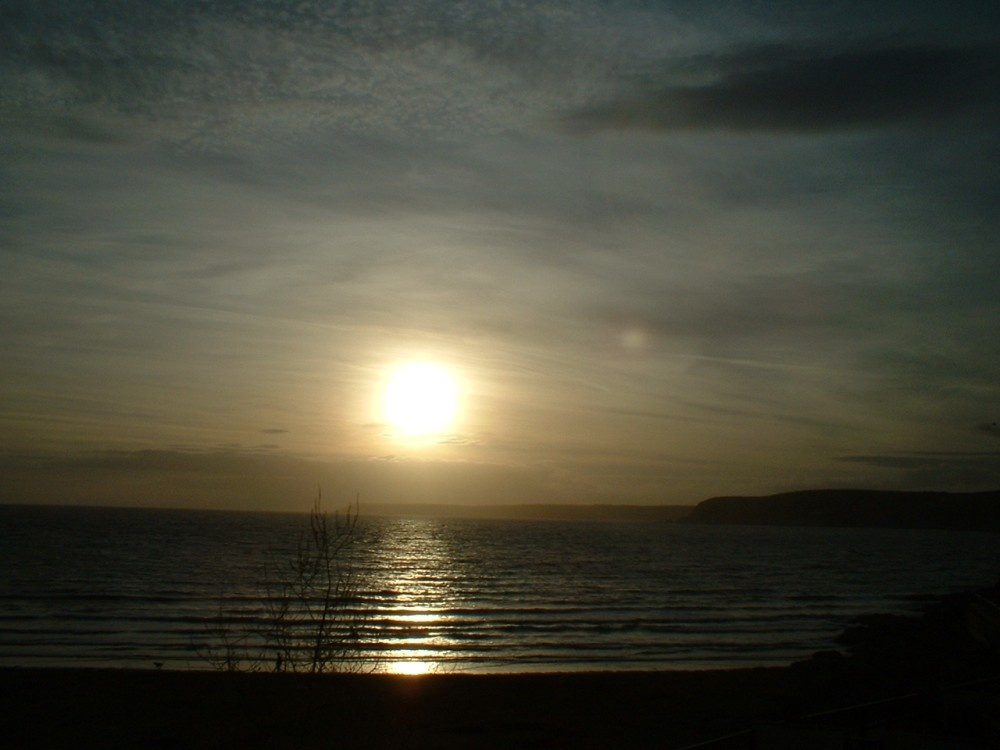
{"type": "Point", "coordinates": [666, 250]}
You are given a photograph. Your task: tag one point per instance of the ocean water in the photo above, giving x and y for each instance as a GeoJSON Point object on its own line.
{"type": "Point", "coordinates": [131, 587]}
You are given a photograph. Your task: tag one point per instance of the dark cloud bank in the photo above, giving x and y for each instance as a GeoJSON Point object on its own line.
{"type": "Point", "coordinates": [781, 88]}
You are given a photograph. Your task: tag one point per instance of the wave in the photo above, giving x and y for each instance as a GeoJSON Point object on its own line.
{"type": "Point", "coordinates": [130, 589]}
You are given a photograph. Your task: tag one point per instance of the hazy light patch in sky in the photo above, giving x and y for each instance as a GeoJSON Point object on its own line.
{"type": "Point", "coordinates": [674, 250]}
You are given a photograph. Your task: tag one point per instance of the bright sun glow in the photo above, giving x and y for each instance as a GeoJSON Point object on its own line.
{"type": "Point", "coordinates": [421, 399]}
{"type": "Point", "coordinates": [413, 668]}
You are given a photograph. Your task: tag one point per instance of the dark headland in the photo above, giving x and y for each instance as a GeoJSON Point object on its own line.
{"type": "Point", "coordinates": [971, 511]}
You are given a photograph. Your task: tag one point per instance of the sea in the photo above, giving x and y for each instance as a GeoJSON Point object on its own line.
{"type": "Point", "coordinates": [148, 588]}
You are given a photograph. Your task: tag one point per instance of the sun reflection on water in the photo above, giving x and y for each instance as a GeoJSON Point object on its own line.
{"type": "Point", "coordinates": [410, 668]}
{"type": "Point", "coordinates": [418, 564]}
{"type": "Point", "coordinates": [418, 617]}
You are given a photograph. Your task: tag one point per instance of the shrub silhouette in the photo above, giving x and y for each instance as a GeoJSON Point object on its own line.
{"type": "Point", "coordinates": [311, 616]}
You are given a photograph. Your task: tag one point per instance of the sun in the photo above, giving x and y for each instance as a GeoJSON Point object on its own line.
{"type": "Point", "coordinates": [421, 398]}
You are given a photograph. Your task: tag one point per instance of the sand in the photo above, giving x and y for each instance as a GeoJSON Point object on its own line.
{"type": "Point", "coordinates": [63, 708]}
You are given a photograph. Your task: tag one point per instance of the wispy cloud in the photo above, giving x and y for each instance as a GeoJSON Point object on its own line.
{"type": "Point", "coordinates": [944, 470]}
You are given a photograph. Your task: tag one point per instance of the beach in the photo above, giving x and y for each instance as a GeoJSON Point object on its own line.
{"type": "Point", "coordinates": [924, 676]}
{"type": "Point", "coordinates": [84, 708]}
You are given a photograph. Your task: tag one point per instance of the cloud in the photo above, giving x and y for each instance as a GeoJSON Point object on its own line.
{"type": "Point", "coordinates": [251, 479]}
{"type": "Point", "coordinates": [205, 76]}
{"type": "Point", "coordinates": [947, 470]}
{"type": "Point", "coordinates": [782, 88]}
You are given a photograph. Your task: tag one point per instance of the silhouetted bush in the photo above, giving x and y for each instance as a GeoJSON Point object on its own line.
{"type": "Point", "coordinates": [311, 614]}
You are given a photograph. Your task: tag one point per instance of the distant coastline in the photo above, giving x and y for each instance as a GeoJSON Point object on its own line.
{"type": "Point", "coordinates": [532, 511]}
{"type": "Point", "coordinates": [852, 508]}
{"type": "Point", "coordinates": [846, 508]}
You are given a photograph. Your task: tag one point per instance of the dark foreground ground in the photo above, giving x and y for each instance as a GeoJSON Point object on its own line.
{"type": "Point", "coordinates": [98, 708]}
{"type": "Point", "coordinates": [945, 662]}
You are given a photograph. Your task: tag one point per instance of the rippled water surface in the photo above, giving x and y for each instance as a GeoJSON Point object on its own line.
{"type": "Point", "coordinates": [129, 587]}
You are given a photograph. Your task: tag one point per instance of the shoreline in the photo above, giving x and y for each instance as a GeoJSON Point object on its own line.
{"type": "Point", "coordinates": [932, 675]}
